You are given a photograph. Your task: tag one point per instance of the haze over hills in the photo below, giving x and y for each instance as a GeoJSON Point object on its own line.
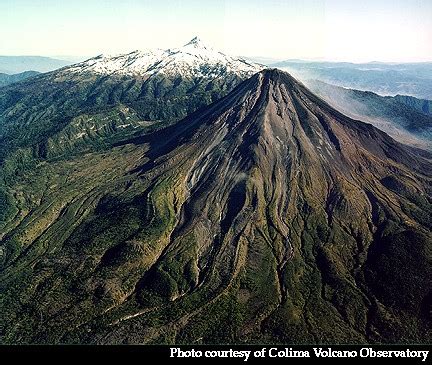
{"type": "Point", "coordinates": [267, 216]}
{"type": "Point", "coordinates": [405, 118]}
{"type": "Point", "coordinates": [413, 79]}
{"type": "Point", "coordinates": [18, 64]}
{"type": "Point", "coordinates": [421, 105]}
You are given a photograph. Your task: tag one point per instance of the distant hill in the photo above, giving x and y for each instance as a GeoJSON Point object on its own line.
{"type": "Point", "coordinates": [421, 105]}
{"type": "Point", "coordinates": [414, 79]}
{"type": "Point", "coordinates": [400, 116]}
{"type": "Point", "coordinates": [6, 79]}
{"type": "Point", "coordinates": [18, 64]}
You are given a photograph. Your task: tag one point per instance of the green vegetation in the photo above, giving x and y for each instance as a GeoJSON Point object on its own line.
{"type": "Point", "coordinates": [229, 228]}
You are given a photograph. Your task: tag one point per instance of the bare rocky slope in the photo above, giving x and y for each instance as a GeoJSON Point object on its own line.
{"type": "Point", "coordinates": [266, 217]}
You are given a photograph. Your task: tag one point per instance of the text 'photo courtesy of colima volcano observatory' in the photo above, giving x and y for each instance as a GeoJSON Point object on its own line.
{"type": "Point", "coordinates": [236, 179]}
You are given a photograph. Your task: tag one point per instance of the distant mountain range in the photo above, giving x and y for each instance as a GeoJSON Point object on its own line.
{"type": "Point", "coordinates": [6, 79]}
{"type": "Point", "coordinates": [18, 64]}
{"type": "Point", "coordinates": [421, 105]}
{"type": "Point", "coordinates": [413, 79]}
{"type": "Point", "coordinates": [405, 118]}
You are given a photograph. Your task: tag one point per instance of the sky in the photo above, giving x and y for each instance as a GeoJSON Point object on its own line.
{"type": "Point", "coordinates": [335, 30]}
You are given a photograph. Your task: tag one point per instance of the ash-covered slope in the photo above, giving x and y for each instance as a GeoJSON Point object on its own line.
{"type": "Point", "coordinates": [267, 217]}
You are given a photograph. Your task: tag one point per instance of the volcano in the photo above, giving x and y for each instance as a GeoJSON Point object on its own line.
{"type": "Point", "coordinates": [267, 216]}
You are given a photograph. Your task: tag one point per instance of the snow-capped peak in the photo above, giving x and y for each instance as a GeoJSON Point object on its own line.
{"type": "Point", "coordinates": [194, 59]}
{"type": "Point", "coordinates": [196, 42]}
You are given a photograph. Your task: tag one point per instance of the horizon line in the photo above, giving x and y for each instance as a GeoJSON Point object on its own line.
{"type": "Point", "coordinates": [273, 59]}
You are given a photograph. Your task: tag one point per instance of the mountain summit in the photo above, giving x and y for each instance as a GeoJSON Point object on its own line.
{"type": "Point", "coordinates": [194, 59]}
{"type": "Point", "coordinates": [288, 213]}
{"type": "Point", "coordinates": [196, 42]}
{"type": "Point", "coordinates": [267, 216]}
{"type": "Point", "coordinates": [284, 111]}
